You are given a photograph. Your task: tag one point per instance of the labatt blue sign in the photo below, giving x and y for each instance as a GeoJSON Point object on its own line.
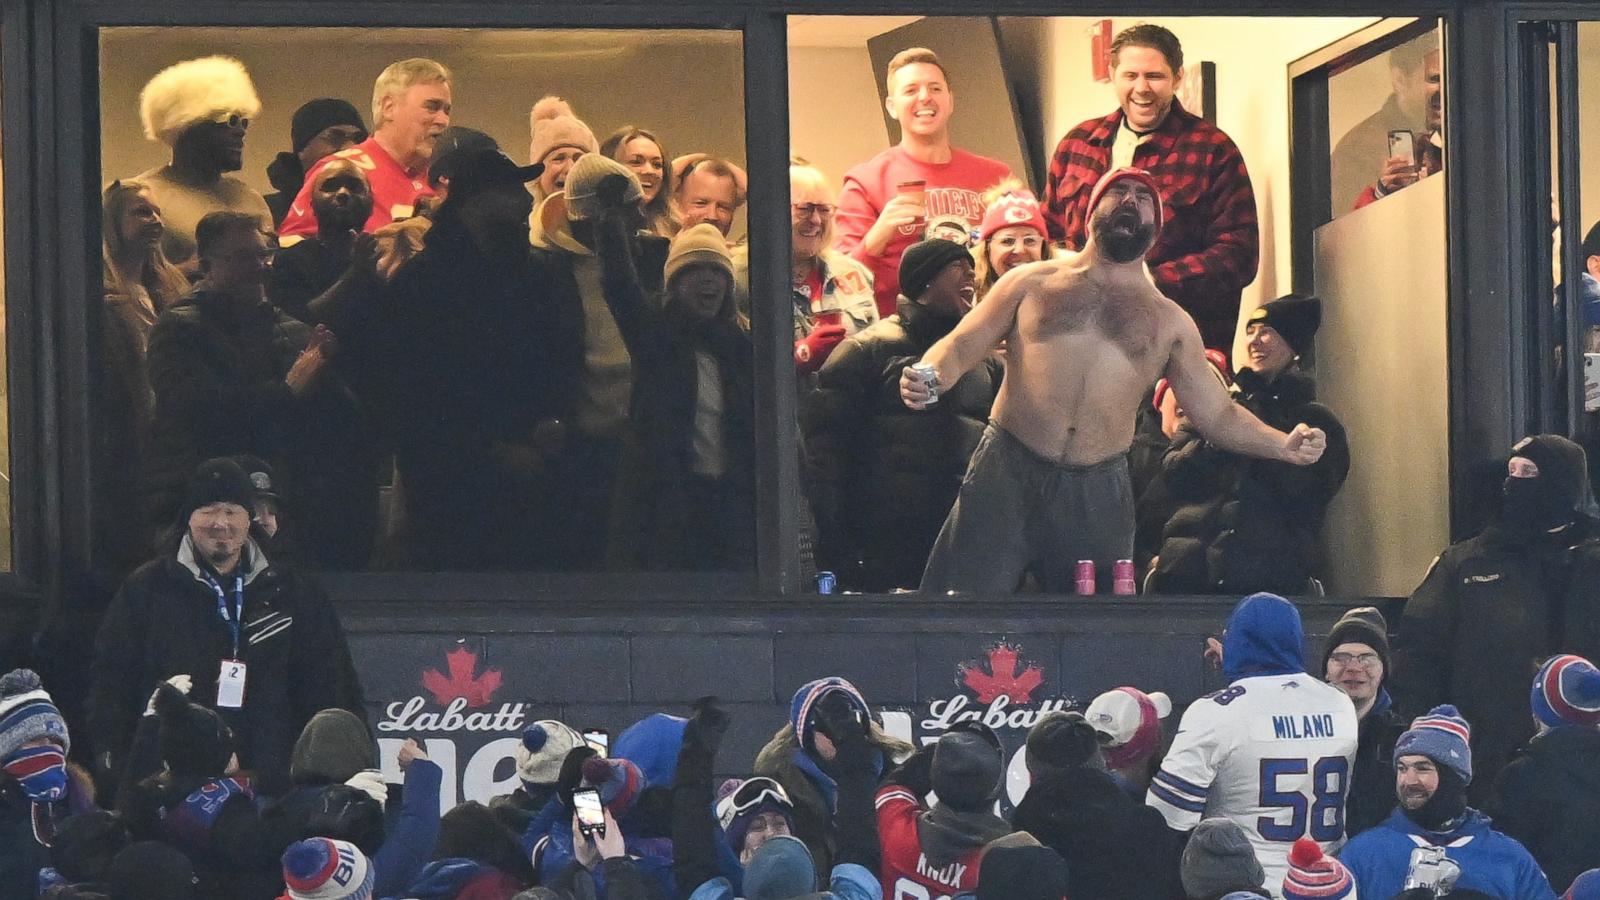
{"type": "Point", "coordinates": [473, 739]}
{"type": "Point", "coordinates": [1002, 690]}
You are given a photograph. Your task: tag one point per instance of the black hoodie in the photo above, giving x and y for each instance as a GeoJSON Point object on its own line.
{"type": "Point", "coordinates": [1549, 799]}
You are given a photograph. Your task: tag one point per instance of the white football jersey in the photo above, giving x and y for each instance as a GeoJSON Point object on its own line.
{"type": "Point", "coordinates": [1272, 753]}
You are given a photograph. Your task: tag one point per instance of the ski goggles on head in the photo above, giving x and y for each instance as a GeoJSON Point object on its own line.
{"type": "Point", "coordinates": [750, 795]}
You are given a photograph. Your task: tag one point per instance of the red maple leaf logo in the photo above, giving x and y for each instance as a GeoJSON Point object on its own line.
{"type": "Point", "coordinates": [477, 690]}
{"type": "Point", "coordinates": [1002, 679]}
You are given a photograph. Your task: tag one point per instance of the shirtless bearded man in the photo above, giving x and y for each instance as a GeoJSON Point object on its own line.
{"type": "Point", "coordinates": [1086, 335]}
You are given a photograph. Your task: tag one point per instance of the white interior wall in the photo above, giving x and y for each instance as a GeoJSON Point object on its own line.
{"type": "Point", "coordinates": [834, 117]}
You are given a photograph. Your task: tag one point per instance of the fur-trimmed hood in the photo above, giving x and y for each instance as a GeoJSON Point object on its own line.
{"type": "Point", "coordinates": [193, 91]}
{"type": "Point", "coordinates": [776, 761]}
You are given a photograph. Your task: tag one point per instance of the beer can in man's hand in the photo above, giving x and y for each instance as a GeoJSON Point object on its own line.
{"type": "Point", "coordinates": [929, 376]}
{"type": "Point", "coordinates": [1085, 577]}
{"type": "Point", "coordinates": [1122, 582]}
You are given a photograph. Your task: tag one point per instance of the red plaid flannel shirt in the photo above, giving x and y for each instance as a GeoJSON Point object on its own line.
{"type": "Point", "coordinates": [1209, 246]}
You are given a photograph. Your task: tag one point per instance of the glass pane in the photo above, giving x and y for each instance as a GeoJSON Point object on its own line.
{"type": "Point", "coordinates": [5, 416]}
{"type": "Point", "coordinates": [1587, 268]}
{"type": "Point", "coordinates": [451, 400]}
{"type": "Point", "coordinates": [1385, 119]}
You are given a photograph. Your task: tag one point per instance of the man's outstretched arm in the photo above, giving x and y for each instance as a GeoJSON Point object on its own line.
{"type": "Point", "coordinates": [974, 336]}
{"type": "Point", "coordinates": [1224, 422]}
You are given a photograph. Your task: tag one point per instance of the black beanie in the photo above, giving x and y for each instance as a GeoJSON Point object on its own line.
{"type": "Point", "coordinates": [1362, 625]}
{"type": "Point", "coordinates": [1061, 740]}
{"type": "Point", "coordinates": [346, 813]}
{"type": "Point", "coordinates": [1591, 242]}
{"type": "Point", "coordinates": [150, 870]}
{"type": "Point", "coordinates": [219, 480]}
{"type": "Point", "coordinates": [1022, 873]}
{"type": "Point", "coordinates": [923, 261]}
{"type": "Point", "coordinates": [194, 740]}
{"type": "Point", "coordinates": [452, 146]}
{"type": "Point", "coordinates": [313, 117]}
{"type": "Point", "coordinates": [966, 770]}
{"type": "Point", "coordinates": [1561, 461]}
{"type": "Point", "coordinates": [1295, 317]}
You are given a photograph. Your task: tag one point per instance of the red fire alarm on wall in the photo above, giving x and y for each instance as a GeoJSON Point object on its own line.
{"type": "Point", "coordinates": [1100, 51]}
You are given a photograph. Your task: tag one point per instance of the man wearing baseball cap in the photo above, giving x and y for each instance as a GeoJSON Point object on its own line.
{"type": "Point", "coordinates": [1549, 796]}
{"type": "Point", "coordinates": [1433, 766]}
{"type": "Point", "coordinates": [1086, 334]}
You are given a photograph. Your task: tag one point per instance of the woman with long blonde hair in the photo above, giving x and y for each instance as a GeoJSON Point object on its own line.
{"type": "Point", "coordinates": [139, 283]}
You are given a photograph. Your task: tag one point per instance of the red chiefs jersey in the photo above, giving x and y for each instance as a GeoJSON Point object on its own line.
{"type": "Point", "coordinates": [906, 871]}
{"type": "Point", "coordinates": [954, 189]}
{"type": "Point", "coordinates": [394, 189]}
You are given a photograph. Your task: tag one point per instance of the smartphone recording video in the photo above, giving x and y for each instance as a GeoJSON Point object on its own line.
{"type": "Point", "coordinates": [598, 740]}
{"type": "Point", "coordinates": [591, 818]}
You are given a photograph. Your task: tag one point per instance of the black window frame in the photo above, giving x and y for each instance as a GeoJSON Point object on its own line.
{"type": "Point", "coordinates": [48, 56]}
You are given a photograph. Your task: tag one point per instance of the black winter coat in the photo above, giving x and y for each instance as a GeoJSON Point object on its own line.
{"type": "Point", "coordinates": [1372, 797]}
{"type": "Point", "coordinates": [1241, 525]}
{"type": "Point", "coordinates": [1116, 848]}
{"type": "Point", "coordinates": [670, 518]}
{"type": "Point", "coordinates": [1549, 799]}
{"type": "Point", "coordinates": [164, 622]}
{"type": "Point", "coordinates": [1489, 612]}
{"type": "Point", "coordinates": [217, 367]}
{"type": "Point", "coordinates": [883, 477]}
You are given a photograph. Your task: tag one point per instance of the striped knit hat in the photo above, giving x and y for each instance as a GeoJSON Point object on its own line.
{"type": "Point", "coordinates": [325, 869]}
{"type": "Point", "coordinates": [805, 701]}
{"type": "Point", "coordinates": [1314, 876]}
{"type": "Point", "coordinates": [1442, 736]}
{"type": "Point", "coordinates": [618, 781]}
{"type": "Point", "coordinates": [1567, 692]}
{"type": "Point", "coordinates": [27, 713]}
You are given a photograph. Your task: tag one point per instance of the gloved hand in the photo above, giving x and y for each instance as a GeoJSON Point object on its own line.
{"type": "Point", "coordinates": [370, 782]}
{"type": "Point", "coordinates": [916, 773]}
{"type": "Point", "coordinates": [183, 683]}
{"type": "Point", "coordinates": [612, 191]}
{"type": "Point", "coordinates": [706, 727]}
{"type": "Point", "coordinates": [811, 351]}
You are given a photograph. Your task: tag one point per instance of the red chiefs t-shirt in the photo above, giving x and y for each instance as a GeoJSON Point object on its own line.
{"type": "Point", "coordinates": [954, 188]}
{"type": "Point", "coordinates": [394, 189]}
{"type": "Point", "coordinates": [906, 872]}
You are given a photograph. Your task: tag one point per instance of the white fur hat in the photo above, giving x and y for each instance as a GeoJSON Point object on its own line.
{"type": "Point", "coordinates": [196, 90]}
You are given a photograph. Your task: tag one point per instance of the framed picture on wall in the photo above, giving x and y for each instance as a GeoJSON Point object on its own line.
{"type": "Point", "coordinates": [1198, 91]}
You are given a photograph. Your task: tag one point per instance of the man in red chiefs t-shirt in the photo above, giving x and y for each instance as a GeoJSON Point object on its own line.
{"type": "Point", "coordinates": [888, 199]}
{"type": "Point", "coordinates": [410, 108]}
{"type": "Point", "coordinates": [934, 854]}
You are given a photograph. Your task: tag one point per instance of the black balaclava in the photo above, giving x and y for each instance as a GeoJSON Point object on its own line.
{"type": "Point", "coordinates": [1445, 808]}
{"type": "Point", "coordinates": [1549, 499]}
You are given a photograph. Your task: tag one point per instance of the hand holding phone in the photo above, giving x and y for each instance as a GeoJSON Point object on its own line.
{"type": "Point", "coordinates": [588, 812]}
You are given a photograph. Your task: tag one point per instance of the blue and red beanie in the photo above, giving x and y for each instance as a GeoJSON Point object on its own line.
{"type": "Point", "coordinates": [1567, 692]}
{"type": "Point", "coordinates": [618, 781]}
{"type": "Point", "coordinates": [805, 701]}
{"type": "Point", "coordinates": [1442, 736]}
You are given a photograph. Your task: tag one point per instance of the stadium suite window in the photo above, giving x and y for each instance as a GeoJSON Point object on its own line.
{"type": "Point", "coordinates": [459, 460]}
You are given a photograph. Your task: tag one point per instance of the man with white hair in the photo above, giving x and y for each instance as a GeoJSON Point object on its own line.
{"type": "Point", "coordinates": [410, 108]}
{"type": "Point", "coordinates": [201, 109]}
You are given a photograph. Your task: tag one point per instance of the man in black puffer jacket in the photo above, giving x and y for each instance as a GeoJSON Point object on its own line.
{"type": "Point", "coordinates": [1242, 525]}
{"type": "Point", "coordinates": [883, 477]}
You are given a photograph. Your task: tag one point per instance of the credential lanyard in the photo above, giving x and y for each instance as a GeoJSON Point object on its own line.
{"type": "Point", "coordinates": [235, 617]}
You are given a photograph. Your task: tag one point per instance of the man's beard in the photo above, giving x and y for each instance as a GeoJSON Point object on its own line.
{"type": "Point", "coordinates": [1123, 237]}
{"type": "Point", "coordinates": [343, 218]}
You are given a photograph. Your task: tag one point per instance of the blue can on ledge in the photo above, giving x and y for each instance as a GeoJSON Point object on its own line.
{"type": "Point", "coordinates": [827, 582]}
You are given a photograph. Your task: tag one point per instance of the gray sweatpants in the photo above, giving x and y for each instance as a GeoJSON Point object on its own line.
{"type": "Point", "coordinates": [1018, 511]}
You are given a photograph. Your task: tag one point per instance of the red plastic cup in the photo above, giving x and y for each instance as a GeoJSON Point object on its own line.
{"type": "Point", "coordinates": [1122, 581]}
{"type": "Point", "coordinates": [1085, 578]}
